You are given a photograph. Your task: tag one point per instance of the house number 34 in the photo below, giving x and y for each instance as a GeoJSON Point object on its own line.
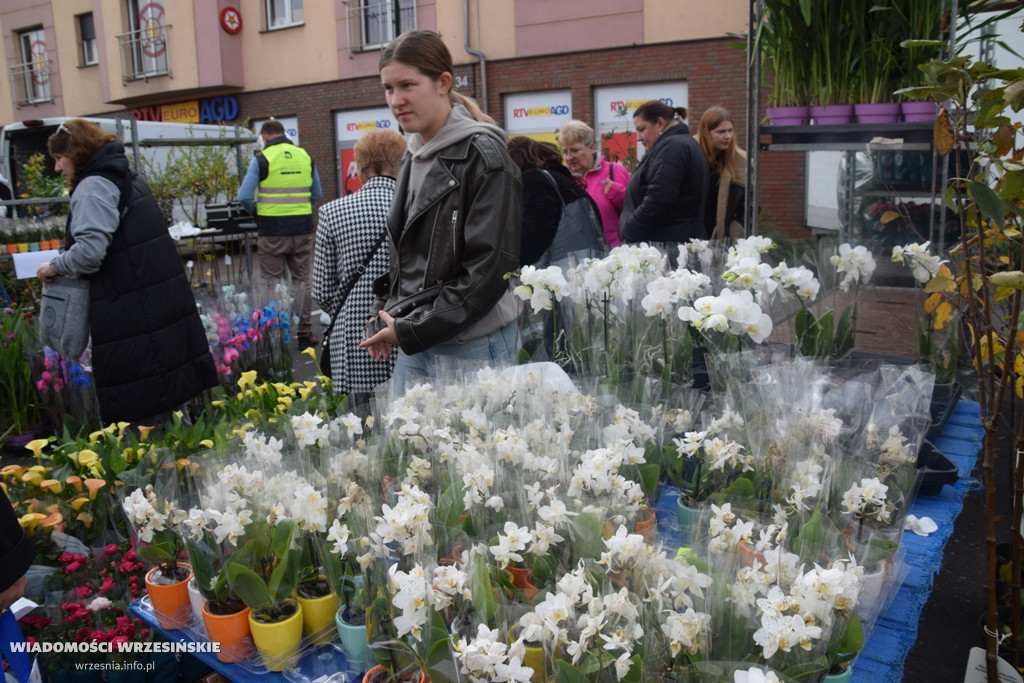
{"type": "Point", "coordinates": [462, 81]}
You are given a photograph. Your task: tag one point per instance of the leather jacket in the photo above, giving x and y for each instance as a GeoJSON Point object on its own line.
{"type": "Point", "coordinates": [451, 250]}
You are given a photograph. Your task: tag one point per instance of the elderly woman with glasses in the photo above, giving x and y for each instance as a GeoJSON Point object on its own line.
{"type": "Point", "coordinates": [150, 354]}
{"type": "Point", "coordinates": [604, 181]}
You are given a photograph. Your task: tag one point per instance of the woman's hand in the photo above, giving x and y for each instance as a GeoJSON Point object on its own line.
{"type": "Point", "coordinates": [608, 184]}
{"type": "Point", "coordinates": [45, 272]}
{"type": "Point", "coordinates": [381, 345]}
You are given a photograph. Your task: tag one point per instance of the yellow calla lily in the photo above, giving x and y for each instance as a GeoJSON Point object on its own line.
{"type": "Point", "coordinates": [77, 503]}
{"type": "Point", "coordinates": [36, 446]}
{"type": "Point", "coordinates": [12, 471]}
{"type": "Point", "coordinates": [309, 351]}
{"type": "Point", "coordinates": [31, 520]}
{"type": "Point", "coordinates": [247, 379]}
{"type": "Point", "coordinates": [206, 443]}
{"type": "Point", "coordinates": [217, 404]}
{"type": "Point", "coordinates": [95, 437]}
{"type": "Point", "coordinates": [144, 432]}
{"type": "Point", "coordinates": [242, 431]}
{"type": "Point", "coordinates": [121, 426]}
{"type": "Point", "coordinates": [90, 460]}
{"type": "Point", "coordinates": [85, 518]}
{"type": "Point", "coordinates": [50, 485]}
{"type": "Point", "coordinates": [252, 414]}
{"type": "Point", "coordinates": [31, 478]}
{"type": "Point", "coordinates": [284, 402]}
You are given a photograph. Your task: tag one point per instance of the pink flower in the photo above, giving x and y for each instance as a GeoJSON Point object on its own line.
{"type": "Point", "coordinates": [107, 584]}
{"type": "Point", "coordinates": [83, 591]}
{"type": "Point", "coordinates": [110, 549]}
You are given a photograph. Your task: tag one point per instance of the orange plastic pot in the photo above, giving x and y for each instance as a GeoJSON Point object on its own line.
{"type": "Point", "coordinates": [521, 579]}
{"type": "Point", "coordinates": [379, 669]}
{"type": "Point", "coordinates": [170, 601]}
{"type": "Point", "coordinates": [648, 526]}
{"type": "Point", "coordinates": [231, 631]}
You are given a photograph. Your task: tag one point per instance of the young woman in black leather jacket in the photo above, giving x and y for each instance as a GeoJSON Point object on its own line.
{"type": "Point", "coordinates": [454, 224]}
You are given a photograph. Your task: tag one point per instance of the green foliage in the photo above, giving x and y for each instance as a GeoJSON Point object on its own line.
{"type": "Point", "coordinates": [20, 406]}
{"type": "Point", "coordinates": [37, 181]}
{"type": "Point", "coordinates": [279, 565]}
{"type": "Point", "coordinates": [190, 178]}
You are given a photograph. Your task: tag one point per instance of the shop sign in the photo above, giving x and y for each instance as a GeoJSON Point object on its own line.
{"type": "Point", "coordinates": [208, 110]}
{"type": "Point", "coordinates": [537, 111]}
{"type": "Point", "coordinates": [350, 125]}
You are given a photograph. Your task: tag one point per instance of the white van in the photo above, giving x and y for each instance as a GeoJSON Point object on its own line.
{"type": "Point", "coordinates": [151, 140]}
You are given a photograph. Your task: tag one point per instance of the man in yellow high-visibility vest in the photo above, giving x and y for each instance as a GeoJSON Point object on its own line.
{"type": "Point", "coordinates": [280, 187]}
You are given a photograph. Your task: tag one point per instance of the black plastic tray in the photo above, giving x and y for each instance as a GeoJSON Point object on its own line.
{"type": "Point", "coordinates": [937, 470]}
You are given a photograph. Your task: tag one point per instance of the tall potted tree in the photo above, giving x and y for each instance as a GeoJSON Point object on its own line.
{"type": "Point", "coordinates": [989, 274]}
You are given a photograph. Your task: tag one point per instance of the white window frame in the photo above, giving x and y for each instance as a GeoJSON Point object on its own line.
{"type": "Point", "coordinates": [288, 19]}
{"type": "Point", "coordinates": [37, 87]}
{"type": "Point", "coordinates": [90, 55]}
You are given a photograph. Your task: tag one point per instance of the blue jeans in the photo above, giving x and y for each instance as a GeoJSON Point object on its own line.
{"type": "Point", "coordinates": [442, 361]}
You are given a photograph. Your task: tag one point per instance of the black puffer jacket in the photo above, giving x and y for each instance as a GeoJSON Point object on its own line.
{"type": "Point", "coordinates": [149, 350]}
{"type": "Point", "coordinates": [666, 195]}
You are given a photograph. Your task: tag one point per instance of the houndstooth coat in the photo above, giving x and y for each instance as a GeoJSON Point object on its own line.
{"type": "Point", "coordinates": [348, 228]}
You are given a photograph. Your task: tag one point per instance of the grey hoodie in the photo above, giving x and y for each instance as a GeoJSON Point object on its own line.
{"type": "Point", "coordinates": [460, 125]}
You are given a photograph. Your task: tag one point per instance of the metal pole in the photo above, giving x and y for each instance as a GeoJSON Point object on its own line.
{"type": "Point", "coordinates": [753, 137]}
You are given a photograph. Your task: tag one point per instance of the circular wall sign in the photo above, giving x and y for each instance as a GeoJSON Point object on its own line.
{"type": "Point", "coordinates": [231, 20]}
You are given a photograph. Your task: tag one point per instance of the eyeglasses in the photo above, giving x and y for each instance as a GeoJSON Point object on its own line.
{"type": "Point", "coordinates": [573, 151]}
{"type": "Point", "coordinates": [64, 129]}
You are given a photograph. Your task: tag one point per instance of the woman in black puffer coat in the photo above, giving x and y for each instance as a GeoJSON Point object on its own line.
{"type": "Point", "coordinates": [149, 350]}
{"type": "Point", "coordinates": [666, 195]}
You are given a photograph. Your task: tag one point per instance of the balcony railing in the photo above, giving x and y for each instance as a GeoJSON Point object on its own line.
{"type": "Point", "coordinates": [144, 53]}
{"type": "Point", "coordinates": [30, 83]}
{"type": "Point", "coordinates": [374, 23]}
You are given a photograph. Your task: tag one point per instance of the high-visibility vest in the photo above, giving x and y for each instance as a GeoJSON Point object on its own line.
{"type": "Point", "coordinates": [287, 189]}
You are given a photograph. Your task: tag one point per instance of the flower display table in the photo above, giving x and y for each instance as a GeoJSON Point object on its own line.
{"type": "Point", "coordinates": [323, 663]}
{"type": "Point", "coordinates": [881, 660]}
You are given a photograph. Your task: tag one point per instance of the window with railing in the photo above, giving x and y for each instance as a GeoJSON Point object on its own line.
{"type": "Point", "coordinates": [144, 52]}
{"type": "Point", "coordinates": [374, 23]}
{"type": "Point", "coordinates": [283, 13]}
{"type": "Point", "coordinates": [87, 39]}
{"type": "Point", "coordinates": [30, 80]}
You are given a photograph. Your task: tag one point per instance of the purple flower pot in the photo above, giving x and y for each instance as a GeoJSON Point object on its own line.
{"type": "Point", "coordinates": [877, 112]}
{"type": "Point", "coordinates": [922, 112]}
{"type": "Point", "coordinates": [789, 116]}
{"type": "Point", "coordinates": [832, 114]}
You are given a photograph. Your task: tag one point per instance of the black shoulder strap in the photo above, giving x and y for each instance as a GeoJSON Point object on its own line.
{"type": "Point", "coordinates": [551, 179]}
{"type": "Point", "coordinates": [611, 170]}
{"type": "Point", "coordinates": [347, 289]}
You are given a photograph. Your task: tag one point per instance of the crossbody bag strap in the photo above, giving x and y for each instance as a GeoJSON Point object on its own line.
{"type": "Point", "coordinates": [350, 285]}
{"type": "Point", "coordinates": [551, 180]}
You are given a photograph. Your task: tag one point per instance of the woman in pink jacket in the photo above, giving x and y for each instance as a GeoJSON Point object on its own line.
{"type": "Point", "coordinates": [605, 181]}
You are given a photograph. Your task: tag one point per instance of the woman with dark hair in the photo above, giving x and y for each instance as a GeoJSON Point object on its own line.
{"type": "Point", "coordinates": [547, 186]}
{"type": "Point", "coordinates": [348, 230]}
{"type": "Point", "coordinates": [149, 350]}
{"type": "Point", "coordinates": [454, 223]}
{"type": "Point", "coordinates": [665, 197]}
{"type": "Point", "coordinates": [727, 163]}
